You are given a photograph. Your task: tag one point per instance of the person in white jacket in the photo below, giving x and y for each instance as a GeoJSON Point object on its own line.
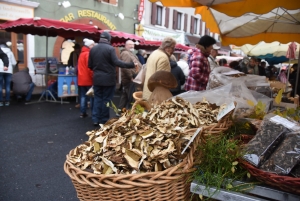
{"type": "Point", "coordinates": [183, 64]}
{"type": "Point", "coordinates": [5, 75]}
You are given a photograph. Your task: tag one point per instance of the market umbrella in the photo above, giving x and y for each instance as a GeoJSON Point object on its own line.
{"type": "Point", "coordinates": [242, 22]}
{"type": "Point", "coordinates": [119, 38]}
{"type": "Point", "coordinates": [268, 50]}
{"type": "Point", "coordinates": [233, 7]}
{"type": "Point", "coordinates": [49, 27]}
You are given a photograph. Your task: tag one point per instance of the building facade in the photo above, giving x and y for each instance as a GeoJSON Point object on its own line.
{"type": "Point", "coordinates": [102, 13]}
{"type": "Point", "coordinates": [182, 24]}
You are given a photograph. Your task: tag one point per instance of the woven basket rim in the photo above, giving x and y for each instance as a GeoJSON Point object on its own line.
{"type": "Point", "coordinates": [284, 182]}
{"type": "Point", "coordinates": [172, 173]}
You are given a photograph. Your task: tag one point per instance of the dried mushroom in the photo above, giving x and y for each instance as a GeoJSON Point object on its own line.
{"type": "Point", "coordinates": [144, 142]}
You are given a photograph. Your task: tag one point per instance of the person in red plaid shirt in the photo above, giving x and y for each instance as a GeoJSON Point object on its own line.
{"type": "Point", "coordinates": [199, 65]}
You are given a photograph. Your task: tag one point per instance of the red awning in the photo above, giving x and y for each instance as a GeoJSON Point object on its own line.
{"type": "Point", "coordinates": [118, 38]}
{"type": "Point", "coordinates": [49, 27]}
{"type": "Point", "coordinates": [152, 45]}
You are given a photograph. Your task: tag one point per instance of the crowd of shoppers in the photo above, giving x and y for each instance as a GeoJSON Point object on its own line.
{"type": "Point", "coordinates": [96, 69]}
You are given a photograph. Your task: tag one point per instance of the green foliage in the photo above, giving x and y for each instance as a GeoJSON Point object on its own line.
{"type": "Point", "coordinates": [241, 127]}
{"type": "Point", "coordinates": [289, 112]}
{"type": "Point", "coordinates": [113, 106]}
{"type": "Point", "coordinates": [218, 166]}
{"type": "Point", "coordinates": [259, 111]}
{"type": "Point", "coordinates": [139, 109]}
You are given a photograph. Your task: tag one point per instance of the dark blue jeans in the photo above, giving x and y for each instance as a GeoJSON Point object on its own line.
{"type": "Point", "coordinates": [102, 96]}
{"type": "Point", "coordinates": [5, 78]}
{"type": "Point", "coordinates": [84, 99]}
{"type": "Point", "coordinates": [29, 93]}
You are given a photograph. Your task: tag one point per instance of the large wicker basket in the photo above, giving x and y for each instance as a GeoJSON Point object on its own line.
{"type": "Point", "coordinates": [170, 184]}
{"type": "Point", "coordinates": [286, 183]}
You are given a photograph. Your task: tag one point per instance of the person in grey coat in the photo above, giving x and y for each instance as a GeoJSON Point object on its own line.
{"type": "Point", "coordinates": [22, 84]}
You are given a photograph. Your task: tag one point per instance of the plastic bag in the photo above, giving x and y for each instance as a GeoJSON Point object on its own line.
{"type": "Point", "coordinates": [90, 92]}
{"type": "Point", "coordinates": [233, 92]}
{"type": "Point", "coordinates": [140, 78]}
{"type": "Point", "coordinates": [286, 156]}
{"type": "Point", "coordinates": [265, 141]}
{"type": "Point", "coordinates": [262, 98]}
{"type": "Point", "coordinates": [224, 75]}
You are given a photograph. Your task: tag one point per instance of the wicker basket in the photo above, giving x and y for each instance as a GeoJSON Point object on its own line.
{"type": "Point", "coordinates": [286, 183]}
{"type": "Point", "coordinates": [170, 184]}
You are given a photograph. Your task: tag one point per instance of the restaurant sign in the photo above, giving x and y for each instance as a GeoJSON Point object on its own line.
{"type": "Point", "coordinates": [89, 13]}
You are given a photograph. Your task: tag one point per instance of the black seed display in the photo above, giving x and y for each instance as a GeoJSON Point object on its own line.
{"type": "Point", "coordinates": [296, 171]}
{"type": "Point", "coordinates": [286, 156]}
{"type": "Point", "coordinates": [264, 142]}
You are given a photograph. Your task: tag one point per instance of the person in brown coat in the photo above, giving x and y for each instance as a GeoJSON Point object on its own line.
{"type": "Point", "coordinates": [127, 75]}
{"type": "Point", "coordinates": [158, 60]}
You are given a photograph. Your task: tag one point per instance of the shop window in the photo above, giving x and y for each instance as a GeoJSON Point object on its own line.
{"type": "Point", "coordinates": [113, 2]}
{"type": "Point", "coordinates": [192, 25]}
{"type": "Point", "coordinates": [195, 25]}
{"type": "Point", "coordinates": [179, 17]}
{"type": "Point", "coordinates": [17, 44]}
{"type": "Point", "coordinates": [159, 15]}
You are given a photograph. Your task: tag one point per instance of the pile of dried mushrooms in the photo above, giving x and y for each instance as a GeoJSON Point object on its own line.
{"type": "Point", "coordinates": [144, 142]}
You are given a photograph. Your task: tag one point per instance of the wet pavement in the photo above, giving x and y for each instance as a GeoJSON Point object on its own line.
{"type": "Point", "coordinates": [35, 140]}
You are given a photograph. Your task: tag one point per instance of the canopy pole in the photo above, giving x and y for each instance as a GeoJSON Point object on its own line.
{"type": "Point", "coordinates": [288, 76]}
{"type": "Point", "coordinates": [297, 76]}
{"type": "Point", "coordinates": [47, 63]}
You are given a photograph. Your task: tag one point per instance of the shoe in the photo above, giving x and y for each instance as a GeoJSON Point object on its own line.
{"type": "Point", "coordinates": [1, 104]}
{"type": "Point", "coordinates": [6, 103]}
{"type": "Point", "coordinates": [96, 124]}
{"type": "Point", "coordinates": [83, 115]}
{"type": "Point", "coordinates": [77, 106]}
{"type": "Point", "coordinates": [27, 101]}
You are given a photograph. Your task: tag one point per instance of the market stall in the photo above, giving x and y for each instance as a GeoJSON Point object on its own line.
{"type": "Point", "coordinates": [139, 151]}
{"type": "Point", "coordinates": [49, 28]}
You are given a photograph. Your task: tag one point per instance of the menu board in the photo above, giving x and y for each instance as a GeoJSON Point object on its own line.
{"type": "Point", "coordinates": [39, 64]}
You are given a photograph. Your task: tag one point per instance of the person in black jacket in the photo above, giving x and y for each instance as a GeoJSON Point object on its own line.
{"type": "Point", "coordinates": [178, 74]}
{"type": "Point", "coordinates": [293, 79]}
{"type": "Point", "coordinates": [141, 55]}
{"type": "Point", "coordinates": [103, 61]}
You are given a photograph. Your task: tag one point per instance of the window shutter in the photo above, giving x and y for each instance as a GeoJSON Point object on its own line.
{"type": "Point", "coordinates": [153, 13]}
{"type": "Point", "coordinates": [167, 17]}
{"type": "Point", "coordinates": [192, 24]}
{"type": "Point", "coordinates": [175, 19]}
{"type": "Point", "coordinates": [200, 27]}
{"type": "Point", "coordinates": [185, 22]}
